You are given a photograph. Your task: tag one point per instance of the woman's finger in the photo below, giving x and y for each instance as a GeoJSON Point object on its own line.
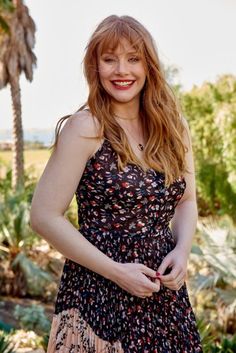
{"type": "Point", "coordinates": [181, 282]}
{"type": "Point", "coordinates": [178, 284]}
{"type": "Point", "coordinates": [180, 279]}
{"type": "Point", "coordinates": [146, 295]}
{"type": "Point", "coordinates": [170, 278]}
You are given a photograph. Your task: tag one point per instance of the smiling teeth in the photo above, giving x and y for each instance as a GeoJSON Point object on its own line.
{"type": "Point", "coordinates": [124, 83]}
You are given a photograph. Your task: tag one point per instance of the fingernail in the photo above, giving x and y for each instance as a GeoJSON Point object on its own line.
{"type": "Point", "coordinates": [158, 274]}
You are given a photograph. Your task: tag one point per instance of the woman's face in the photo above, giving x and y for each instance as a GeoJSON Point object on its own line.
{"type": "Point", "coordinates": [122, 73]}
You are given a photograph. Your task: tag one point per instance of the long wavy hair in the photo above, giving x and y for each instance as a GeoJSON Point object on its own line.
{"type": "Point", "coordinates": [160, 112]}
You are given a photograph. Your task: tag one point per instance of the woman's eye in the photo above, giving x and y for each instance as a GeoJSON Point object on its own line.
{"type": "Point", "coordinates": [108, 60]}
{"type": "Point", "coordinates": [134, 59]}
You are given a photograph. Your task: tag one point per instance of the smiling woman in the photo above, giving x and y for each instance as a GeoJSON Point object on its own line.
{"type": "Point", "coordinates": [122, 62]}
{"type": "Point", "coordinates": [127, 156]}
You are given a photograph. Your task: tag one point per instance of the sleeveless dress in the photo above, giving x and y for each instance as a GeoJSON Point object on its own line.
{"type": "Point", "coordinates": [125, 214]}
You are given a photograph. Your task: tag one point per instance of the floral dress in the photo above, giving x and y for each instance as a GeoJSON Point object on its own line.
{"type": "Point", "coordinates": [125, 214]}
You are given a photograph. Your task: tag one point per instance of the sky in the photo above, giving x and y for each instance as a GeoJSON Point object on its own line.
{"type": "Point", "coordinates": [196, 36]}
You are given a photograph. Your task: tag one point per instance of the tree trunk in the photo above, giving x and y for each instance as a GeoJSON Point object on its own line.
{"type": "Point", "coordinates": [18, 139]}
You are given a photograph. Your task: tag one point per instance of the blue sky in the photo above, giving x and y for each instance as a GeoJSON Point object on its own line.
{"type": "Point", "coordinates": [196, 36]}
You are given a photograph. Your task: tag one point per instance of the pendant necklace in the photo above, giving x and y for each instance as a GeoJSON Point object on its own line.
{"type": "Point", "coordinates": [139, 145]}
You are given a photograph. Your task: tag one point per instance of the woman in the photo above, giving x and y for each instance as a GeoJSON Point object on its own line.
{"type": "Point", "coordinates": [127, 156]}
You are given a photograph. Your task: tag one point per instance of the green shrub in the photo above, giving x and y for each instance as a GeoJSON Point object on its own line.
{"type": "Point", "coordinates": [5, 343]}
{"type": "Point", "coordinates": [213, 278]}
{"type": "Point", "coordinates": [226, 345]}
{"type": "Point", "coordinates": [32, 318]}
{"type": "Point", "coordinates": [207, 339]}
{"type": "Point", "coordinates": [211, 113]}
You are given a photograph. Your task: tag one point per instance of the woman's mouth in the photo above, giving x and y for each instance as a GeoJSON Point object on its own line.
{"type": "Point", "coordinates": [122, 84]}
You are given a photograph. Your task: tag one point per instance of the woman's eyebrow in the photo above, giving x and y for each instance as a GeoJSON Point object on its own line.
{"type": "Point", "coordinates": [112, 52]}
{"type": "Point", "coordinates": [107, 52]}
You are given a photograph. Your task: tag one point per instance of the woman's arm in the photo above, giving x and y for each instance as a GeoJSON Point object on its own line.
{"type": "Point", "coordinates": [184, 222]}
{"type": "Point", "coordinates": [183, 226]}
{"type": "Point", "coordinates": [56, 189]}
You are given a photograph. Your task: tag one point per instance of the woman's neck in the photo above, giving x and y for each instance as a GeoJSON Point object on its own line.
{"type": "Point", "coordinates": [129, 112]}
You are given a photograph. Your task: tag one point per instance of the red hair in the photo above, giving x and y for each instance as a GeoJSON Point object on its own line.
{"type": "Point", "coordinates": [159, 110]}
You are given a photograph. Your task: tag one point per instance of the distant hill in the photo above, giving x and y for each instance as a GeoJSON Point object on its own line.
{"type": "Point", "coordinates": [45, 136]}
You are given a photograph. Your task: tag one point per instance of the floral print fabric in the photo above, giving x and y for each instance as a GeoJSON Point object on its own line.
{"type": "Point", "coordinates": [125, 214]}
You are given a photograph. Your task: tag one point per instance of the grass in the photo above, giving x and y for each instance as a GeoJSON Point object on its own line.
{"type": "Point", "coordinates": [33, 158]}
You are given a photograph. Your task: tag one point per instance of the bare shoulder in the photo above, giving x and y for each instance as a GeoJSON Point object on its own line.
{"type": "Point", "coordinates": [190, 192]}
{"type": "Point", "coordinates": [65, 166]}
{"type": "Point", "coordinates": [187, 133]}
{"type": "Point", "coordinates": [185, 122]}
{"type": "Point", "coordinates": [83, 124]}
{"type": "Point", "coordinates": [76, 130]}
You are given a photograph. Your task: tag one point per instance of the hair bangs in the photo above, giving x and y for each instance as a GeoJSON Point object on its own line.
{"type": "Point", "coordinates": [112, 38]}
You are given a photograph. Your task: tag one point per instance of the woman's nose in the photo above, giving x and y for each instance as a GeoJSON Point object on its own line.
{"type": "Point", "coordinates": [121, 67]}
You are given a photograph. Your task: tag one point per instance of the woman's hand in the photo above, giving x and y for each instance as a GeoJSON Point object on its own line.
{"type": "Point", "coordinates": [133, 278]}
{"type": "Point", "coordinates": [176, 262]}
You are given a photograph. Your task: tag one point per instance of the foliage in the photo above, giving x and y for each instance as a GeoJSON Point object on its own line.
{"type": "Point", "coordinates": [5, 185]}
{"type": "Point", "coordinates": [23, 339]}
{"type": "Point", "coordinates": [17, 39]}
{"type": "Point", "coordinates": [211, 113]}
{"type": "Point", "coordinates": [25, 194]}
{"type": "Point", "coordinates": [5, 327]}
{"type": "Point", "coordinates": [212, 343]}
{"type": "Point", "coordinates": [35, 279]}
{"type": "Point", "coordinates": [17, 239]}
{"type": "Point", "coordinates": [226, 345]}
{"type": "Point", "coordinates": [207, 339]}
{"type": "Point", "coordinates": [5, 343]}
{"type": "Point", "coordinates": [15, 231]}
{"type": "Point", "coordinates": [14, 227]}
{"type": "Point", "coordinates": [5, 6]}
{"type": "Point", "coordinates": [214, 282]}
{"type": "Point", "coordinates": [45, 341]}
{"type": "Point", "coordinates": [32, 318]}
{"type": "Point", "coordinates": [35, 327]}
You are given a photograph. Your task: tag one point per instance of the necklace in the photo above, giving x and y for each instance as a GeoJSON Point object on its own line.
{"type": "Point", "coordinates": [120, 117]}
{"type": "Point", "coordinates": [139, 145]}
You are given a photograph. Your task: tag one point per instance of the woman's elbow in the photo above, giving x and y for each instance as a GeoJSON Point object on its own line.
{"type": "Point", "coordinates": [41, 218]}
{"type": "Point", "coordinates": [38, 217]}
{"type": "Point", "coordinates": [189, 203]}
{"type": "Point", "coordinates": [35, 219]}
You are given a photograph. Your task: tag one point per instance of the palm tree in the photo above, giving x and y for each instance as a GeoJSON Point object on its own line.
{"type": "Point", "coordinates": [16, 56]}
